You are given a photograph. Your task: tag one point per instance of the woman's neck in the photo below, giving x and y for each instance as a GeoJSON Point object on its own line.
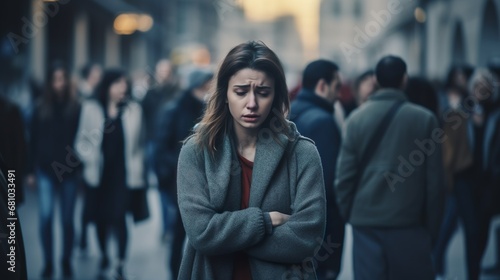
{"type": "Point", "coordinates": [246, 142]}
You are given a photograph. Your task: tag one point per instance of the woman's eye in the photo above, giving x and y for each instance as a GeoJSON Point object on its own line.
{"type": "Point", "coordinates": [240, 93]}
{"type": "Point", "coordinates": [264, 93]}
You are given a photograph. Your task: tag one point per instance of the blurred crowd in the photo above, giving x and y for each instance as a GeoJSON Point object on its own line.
{"type": "Point", "coordinates": [108, 138]}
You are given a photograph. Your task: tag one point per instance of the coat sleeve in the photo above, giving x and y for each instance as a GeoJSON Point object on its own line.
{"type": "Point", "coordinates": [346, 172]}
{"type": "Point", "coordinates": [212, 232]}
{"type": "Point", "coordinates": [88, 134]}
{"type": "Point", "coordinates": [297, 239]}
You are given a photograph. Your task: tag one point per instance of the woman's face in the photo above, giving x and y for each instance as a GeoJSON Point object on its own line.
{"type": "Point", "coordinates": [250, 96]}
{"type": "Point", "coordinates": [117, 90]}
{"type": "Point", "coordinates": [58, 81]}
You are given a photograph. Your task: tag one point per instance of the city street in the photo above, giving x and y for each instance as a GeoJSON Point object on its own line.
{"type": "Point", "coordinates": [148, 255]}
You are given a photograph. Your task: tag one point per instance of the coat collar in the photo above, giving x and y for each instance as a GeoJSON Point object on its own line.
{"type": "Point", "coordinates": [315, 100]}
{"type": "Point", "coordinates": [224, 171]}
{"type": "Point", "coordinates": [388, 94]}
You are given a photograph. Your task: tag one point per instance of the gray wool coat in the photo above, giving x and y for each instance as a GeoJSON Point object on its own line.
{"type": "Point", "coordinates": [287, 177]}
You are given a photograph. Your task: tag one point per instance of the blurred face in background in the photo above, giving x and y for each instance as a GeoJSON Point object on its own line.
{"type": "Point", "coordinates": [334, 87]}
{"type": "Point", "coordinates": [118, 90]}
{"type": "Point", "coordinates": [250, 95]}
{"type": "Point", "coordinates": [163, 71]}
{"type": "Point", "coordinates": [59, 82]}
{"type": "Point", "coordinates": [366, 88]}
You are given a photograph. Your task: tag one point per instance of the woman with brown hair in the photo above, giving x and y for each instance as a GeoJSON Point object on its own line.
{"type": "Point", "coordinates": [53, 130]}
{"type": "Point", "coordinates": [250, 188]}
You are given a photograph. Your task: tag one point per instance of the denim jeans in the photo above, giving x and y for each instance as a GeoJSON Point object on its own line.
{"type": "Point", "coordinates": [48, 188]}
{"type": "Point", "coordinates": [168, 211]}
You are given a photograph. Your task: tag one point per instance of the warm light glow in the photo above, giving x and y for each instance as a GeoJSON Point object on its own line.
{"type": "Point", "coordinates": [145, 22]}
{"type": "Point", "coordinates": [126, 24]}
{"type": "Point", "coordinates": [420, 15]}
{"type": "Point", "coordinates": [305, 13]}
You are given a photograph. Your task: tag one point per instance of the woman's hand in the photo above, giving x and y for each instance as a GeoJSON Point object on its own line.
{"type": "Point", "coordinates": [278, 218]}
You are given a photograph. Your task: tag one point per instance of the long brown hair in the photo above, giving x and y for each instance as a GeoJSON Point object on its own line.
{"type": "Point", "coordinates": [217, 120]}
{"type": "Point", "coordinates": [49, 96]}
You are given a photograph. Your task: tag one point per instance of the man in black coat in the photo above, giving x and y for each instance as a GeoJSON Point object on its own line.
{"type": "Point", "coordinates": [176, 122]}
{"type": "Point", "coordinates": [312, 112]}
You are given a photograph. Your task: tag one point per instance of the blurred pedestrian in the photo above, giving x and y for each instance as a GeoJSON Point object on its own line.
{"type": "Point", "coordinates": [250, 188]}
{"type": "Point", "coordinates": [486, 119]}
{"type": "Point", "coordinates": [53, 129]}
{"type": "Point", "coordinates": [164, 89]}
{"type": "Point", "coordinates": [388, 187]}
{"type": "Point", "coordinates": [110, 144]}
{"type": "Point", "coordinates": [312, 112]}
{"type": "Point", "coordinates": [458, 160]}
{"type": "Point", "coordinates": [176, 122]}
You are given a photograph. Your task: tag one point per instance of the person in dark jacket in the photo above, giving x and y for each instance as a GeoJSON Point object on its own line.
{"type": "Point", "coordinates": [54, 163]}
{"type": "Point", "coordinates": [175, 123]}
{"type": "Point", "coordinates": [312, 112]}
{"type": "Point", "coordinates": [163, 90]}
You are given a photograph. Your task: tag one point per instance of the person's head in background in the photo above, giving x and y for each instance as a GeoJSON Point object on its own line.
{"type": "Point", "coordinates": [114, 88]}
{"type": "Point", "coordinates": [91, 75]}
{"type": "Point", "coordinates": [458, 77]}
{"type": "Point", "coordinates": [249, 84]}
{"type": "Point", "coordinates": [483, 88]}
{"type": "Point", "coordinates": [57, 83]}
{"type": "Point", "coordinates": [200, 81]}
{"type": "Point", "coordinates": [390, 72]}
{"type": "Point", "coordinates": [322, 77]}
{"type": "Point", "coordinates": [364, 86]}
{"type": "Point", "coordinates": [421, 92]}
{"type": "Point", "coordinates": [163, 72]}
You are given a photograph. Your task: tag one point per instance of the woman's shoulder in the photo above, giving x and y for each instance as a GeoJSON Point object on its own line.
{"type": "Point", "coordinates": [302, 144]}
{"type": "Point", "coordinates": [191, 148]}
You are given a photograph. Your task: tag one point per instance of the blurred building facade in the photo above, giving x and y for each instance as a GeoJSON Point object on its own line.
{"type": "Point", "coordinates": [429, 34]}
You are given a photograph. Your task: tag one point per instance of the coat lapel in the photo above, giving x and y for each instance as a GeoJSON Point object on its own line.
{"type": "Point", "coordinates": [267, 158]}
{"type": "Point", "coordinates": [222, 172]}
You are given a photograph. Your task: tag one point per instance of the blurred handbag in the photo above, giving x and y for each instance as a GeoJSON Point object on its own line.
{"type": "Point", "coordinates": [139, 204]}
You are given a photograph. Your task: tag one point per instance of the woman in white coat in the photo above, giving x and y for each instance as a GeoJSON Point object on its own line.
{"type": "Point", "coordinates": [110, 144]}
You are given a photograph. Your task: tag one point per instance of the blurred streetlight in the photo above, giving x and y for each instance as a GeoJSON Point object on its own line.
{"type": "Point", "coordinates": [126, 24]}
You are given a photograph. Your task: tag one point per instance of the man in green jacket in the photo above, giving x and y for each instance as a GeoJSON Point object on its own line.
{"type": "Point", "coordinates": [394, 202]}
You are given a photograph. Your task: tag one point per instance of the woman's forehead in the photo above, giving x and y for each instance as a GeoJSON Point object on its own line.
{"type": "Point", "coordinates": [248, 76]}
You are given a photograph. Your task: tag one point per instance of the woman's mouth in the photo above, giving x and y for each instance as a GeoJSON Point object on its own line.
{"type": "Point", "coordinates": [250, 118]}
